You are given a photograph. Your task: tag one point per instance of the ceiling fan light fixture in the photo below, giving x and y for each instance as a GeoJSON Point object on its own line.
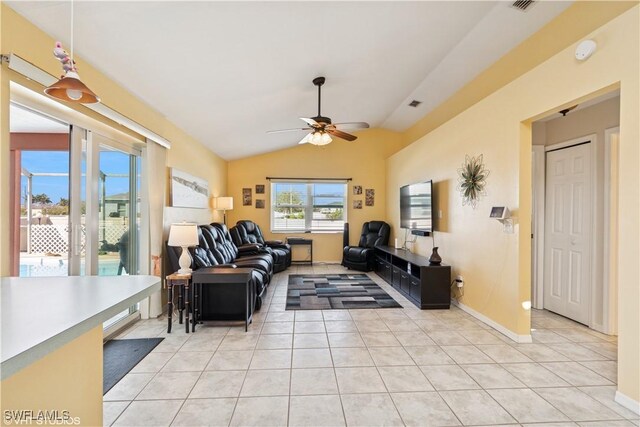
{"type": "Point", "coordinates": [320, 138]}
{"type": "Point", "coordinates": [71, 89]}
{"type": "Point", "coordinates": [321, 128]}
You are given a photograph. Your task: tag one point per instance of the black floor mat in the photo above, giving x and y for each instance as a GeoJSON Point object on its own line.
{"type": "Point", "coordinates": [120, 356]}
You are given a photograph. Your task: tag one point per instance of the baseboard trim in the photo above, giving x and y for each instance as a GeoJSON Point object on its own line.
{"type": "Point", "coordinates": [627, 402]}
{"type": "Point", "coordinates": [520, 339]}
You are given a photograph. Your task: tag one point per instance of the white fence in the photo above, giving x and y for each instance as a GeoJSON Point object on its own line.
{"type": "Point", "coordinates": [54, 238]}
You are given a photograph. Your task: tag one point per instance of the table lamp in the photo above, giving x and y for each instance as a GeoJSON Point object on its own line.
{"type": "Point", "coordinates": [224, 204]}
{"type": "Point", "coordinates": [184, 235]}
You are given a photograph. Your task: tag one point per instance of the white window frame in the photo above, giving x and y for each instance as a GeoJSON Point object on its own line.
{"type": "Point", "coordinates": [308, 208]}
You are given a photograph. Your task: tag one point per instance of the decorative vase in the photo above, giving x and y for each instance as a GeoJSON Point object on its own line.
{"type": "Point", "coordinates": [435, 258]}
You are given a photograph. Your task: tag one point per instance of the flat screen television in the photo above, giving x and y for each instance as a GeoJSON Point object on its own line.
{"type": "Point", "coordinates": [416, 206]}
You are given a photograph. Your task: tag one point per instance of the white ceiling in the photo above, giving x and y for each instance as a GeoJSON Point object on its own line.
{"type": "Point", "coordinates": [227, 72]}
{"type": "Point", "coordinates": [24, 121]}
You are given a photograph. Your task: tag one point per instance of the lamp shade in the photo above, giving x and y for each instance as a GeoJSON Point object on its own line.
{"type": "Point", "coordinates": [224, 203]}
{"type": "Point", "coordinates": [183, 234]}
{"type": "Point", "coordinates": [71, 89]}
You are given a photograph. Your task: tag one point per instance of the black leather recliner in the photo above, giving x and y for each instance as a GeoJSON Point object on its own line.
{"type": "Point", "coordinates": [248, 232]}
{"type": "Point", "coordinates": [361, 257]}
{"type": "Point", "coordinates": [215, 250]}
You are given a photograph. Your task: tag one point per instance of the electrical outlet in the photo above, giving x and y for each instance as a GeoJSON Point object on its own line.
{"type": "Point", "coordinates": [439, 214]}
{"type": "Point", "coordinates": [459, 281]}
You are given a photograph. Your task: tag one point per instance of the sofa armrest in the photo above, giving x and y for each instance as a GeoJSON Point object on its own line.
{"type": "Point", "coordinates": [277, 244]}
{"type": "Point", "coordinates": [249, 248]}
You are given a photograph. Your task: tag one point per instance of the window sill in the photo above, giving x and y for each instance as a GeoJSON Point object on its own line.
{"type": "Point", "coordinates": [305, 232]}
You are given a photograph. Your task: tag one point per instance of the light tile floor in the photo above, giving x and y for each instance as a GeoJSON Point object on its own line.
{"type": "Point", "coordinates": [369, 367]}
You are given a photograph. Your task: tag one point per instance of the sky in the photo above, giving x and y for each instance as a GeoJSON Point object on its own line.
{"type": "Point", "coordinates": [111, 162]}
{"type": "Point", "coordinates": [333, 193]}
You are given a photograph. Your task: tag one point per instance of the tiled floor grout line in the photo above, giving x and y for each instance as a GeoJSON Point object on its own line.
{"type": "Point", "coordinates": [407, 321]}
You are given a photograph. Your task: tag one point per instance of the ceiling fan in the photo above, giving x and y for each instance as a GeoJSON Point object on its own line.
{"type": "Point", "coordinates": [320, 128]}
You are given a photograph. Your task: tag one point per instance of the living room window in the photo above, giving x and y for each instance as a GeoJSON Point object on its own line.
{"type": "Point", "coordinates": [308, 206]}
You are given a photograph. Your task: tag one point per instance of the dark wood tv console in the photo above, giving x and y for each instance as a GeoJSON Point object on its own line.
{"type": "Point", "coordinates": [427, 286]}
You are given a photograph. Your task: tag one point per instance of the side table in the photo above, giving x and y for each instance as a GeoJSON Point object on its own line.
{"type": "Point", "coordinates": [230, 294]}
{"type": "Point", "coordinates": [295, 241]}
{"type": "Point", "coordinates": [183, 282]}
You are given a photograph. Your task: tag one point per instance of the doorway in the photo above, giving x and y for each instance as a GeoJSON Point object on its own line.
{"type": "Point", "coordinates": [573, 199]}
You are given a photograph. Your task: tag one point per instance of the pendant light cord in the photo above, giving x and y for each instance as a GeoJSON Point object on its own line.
{"type": "Point", "coordinates": [73, 65]}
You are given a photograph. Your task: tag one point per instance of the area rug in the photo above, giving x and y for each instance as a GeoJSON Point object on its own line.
{"type": "Point", "coordinates": [120, 356]}
{"type": "Point", "coordinates": [335, 291]}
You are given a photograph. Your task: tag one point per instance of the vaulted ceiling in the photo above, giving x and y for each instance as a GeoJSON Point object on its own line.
{"type": "Point", "coordinates": [227, 72]}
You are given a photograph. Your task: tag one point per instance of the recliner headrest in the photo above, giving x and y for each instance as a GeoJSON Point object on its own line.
{"type": "Point", "coordinates": [250, 226]}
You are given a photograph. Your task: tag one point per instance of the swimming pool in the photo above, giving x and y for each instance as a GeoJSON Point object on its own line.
{"type": "Point", "coordinates": [46, 266]}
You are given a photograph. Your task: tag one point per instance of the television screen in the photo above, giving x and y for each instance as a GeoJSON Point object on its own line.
{"type": "Point", "coordinates": [416, 209]}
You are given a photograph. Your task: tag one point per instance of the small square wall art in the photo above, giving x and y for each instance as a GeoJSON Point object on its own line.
{"type": "Point", "coordinates": [259, 189]}
{"type": "Point", "coordinates": [259, 203]}
{"type": "Point", "coordinates": [357, 190]}
{"type": "Point", "coordinates": [357, 204]}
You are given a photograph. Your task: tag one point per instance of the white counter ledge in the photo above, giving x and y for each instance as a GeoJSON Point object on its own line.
{"type": "Point", "coordinates": [41, 314]}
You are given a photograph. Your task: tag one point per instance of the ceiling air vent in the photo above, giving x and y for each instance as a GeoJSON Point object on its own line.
{"type": "Point", "coordinates": [522, 4]}
{"type": "Point", "coordinates": [414, 103]}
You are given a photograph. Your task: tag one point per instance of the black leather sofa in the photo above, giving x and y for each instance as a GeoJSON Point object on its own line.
{"type": "Point", "coordinates": [248, 232]}
{"type": "Point", "coordinates": [361, 257]}
{"type": "Point", "coordinates": [216, 250]}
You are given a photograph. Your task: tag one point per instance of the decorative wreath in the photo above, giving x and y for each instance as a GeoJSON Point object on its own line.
{"type": "Point", "coordinates": [472, 179]}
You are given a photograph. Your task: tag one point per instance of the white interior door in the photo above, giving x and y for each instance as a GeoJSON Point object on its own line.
{"type": "Point", "coordinates": [568, 232]}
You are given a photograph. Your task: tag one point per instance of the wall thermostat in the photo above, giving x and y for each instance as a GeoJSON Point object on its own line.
{"type": "Point", "coordinates": [499, 212]}
{"type": "Point", "coordinates": [502, 214]}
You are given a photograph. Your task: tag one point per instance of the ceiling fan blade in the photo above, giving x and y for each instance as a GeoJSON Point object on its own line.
{"type": "Point", "coordinates": [352, 125]}
{"type": "Point", "coordinates": [287, 130]}
{"type": "Point", "coordinates": [306, 139]}
{"type": "Point", "coordinates": [310, 122]}
{"type": "Point", "coordinates": [342, 135]}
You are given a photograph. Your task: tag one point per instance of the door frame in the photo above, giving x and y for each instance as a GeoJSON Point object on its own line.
{"type": "Point", "coordinates": [539, 200]}
{"type": "Point", "coordinates": [610, 231]}
{"type": "Point", "coordinates": [537, 229]}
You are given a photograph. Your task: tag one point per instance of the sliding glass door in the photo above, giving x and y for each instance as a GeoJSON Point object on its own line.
{"type": "Point", "coordinates": [113, 209]}
{"type": "Point", "coordinates": [76, 206]}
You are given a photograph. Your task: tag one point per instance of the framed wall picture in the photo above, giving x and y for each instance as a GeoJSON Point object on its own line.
{"type": "Point", "coordinates": [246, 197]}
{"type": "Point", "coordinates": [357, 204]}
{"type": "Point", "coordinates": [259, 203]}
{"type": "Point", "coordinates": [259, 189]}
{"type": "Point", "coordinates": [188, 191]}
{"type": "Point", "coordinates": [369, 197]}
{"type": "Point", "coordinates": [357, 190]}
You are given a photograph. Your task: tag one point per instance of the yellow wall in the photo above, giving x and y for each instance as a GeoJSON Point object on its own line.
{"type": "Point", "coordinates": [19, 36]}
{"type": "Point", "coordinates": [69, 379]}
{"type": "Point", "coordinates": [363, 160]}
{"type": "Point", "coordinates": [496, 266]}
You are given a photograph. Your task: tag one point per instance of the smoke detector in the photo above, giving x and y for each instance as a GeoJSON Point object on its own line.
{"type": "Point", "coordinates": [585, 49]}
